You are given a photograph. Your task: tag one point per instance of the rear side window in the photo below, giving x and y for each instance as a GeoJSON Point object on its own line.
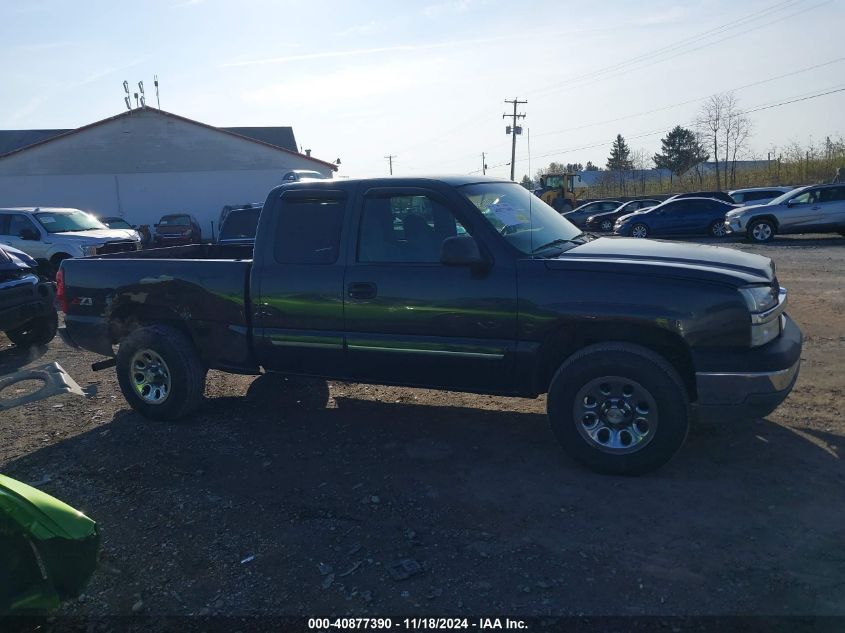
{"type": "Point", "coordinates": [832, 194]}
{"type": "Point", "coordinates": [308, 229]}
{"type": "Point", "coordinates": [758, 195]}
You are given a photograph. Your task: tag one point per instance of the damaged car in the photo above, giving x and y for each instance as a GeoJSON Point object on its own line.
{"type": "Point", "coordinates": [27, 314]}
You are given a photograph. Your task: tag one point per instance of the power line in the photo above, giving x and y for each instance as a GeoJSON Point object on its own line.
{"type": "Point", "coordinates": [657, 55]}
{"type": "Point", "coordinates": [663, 131]}
{"type": "Point", "coordinates": [682, 103]}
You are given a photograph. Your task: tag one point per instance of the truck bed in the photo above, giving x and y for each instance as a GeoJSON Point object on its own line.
{"type": "Point", "coordinates": [193, 287]}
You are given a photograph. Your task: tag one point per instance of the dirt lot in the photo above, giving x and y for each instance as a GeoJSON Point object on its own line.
{"type": "Point", "coordinates": [272, 501]}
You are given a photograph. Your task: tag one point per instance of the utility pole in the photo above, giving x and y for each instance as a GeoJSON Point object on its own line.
{"type": "Point", "coordinates": [513, 130]}
{"type": "Point", "coordinates": [483, 164]}
{"type": "Point", "coordinates": [390, 158]}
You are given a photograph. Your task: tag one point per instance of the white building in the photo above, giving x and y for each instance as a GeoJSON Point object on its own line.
{"type": "Point", "coordinates": [146, 163]}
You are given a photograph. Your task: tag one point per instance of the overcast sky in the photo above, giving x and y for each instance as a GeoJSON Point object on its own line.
{"type": "Point", "coordinates": [426, 80]}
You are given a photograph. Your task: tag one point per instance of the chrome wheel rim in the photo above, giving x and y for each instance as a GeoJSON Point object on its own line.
{"type": "Point", "coordinates": [718, 230]}
{"type": "Point", "coordinates": [150, 376]}
{"type": "Point", "coordinates": [639, 231]}
{"type": "Point", "coordinates": [615, 415]}
{"type": "Point", "coordinates": [606, 225]}
{"type": "Point", "coordinates": [761, 232]}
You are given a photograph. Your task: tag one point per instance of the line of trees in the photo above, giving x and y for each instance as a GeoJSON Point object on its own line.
{"type": "Point", "coordinates": [720, 132]}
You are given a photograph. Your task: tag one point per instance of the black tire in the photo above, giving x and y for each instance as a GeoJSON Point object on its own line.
{"type": "Point", "coordinates": [761, 231]}
{"type": "Point", "coordinates": [55, 262]}
{"type": "Point", "coordinates": [37, 332]}
{"type": "Point", "coordinates": [185, 373]}
{"type": "Point", "coordinates": [651, 374]}
{"type": "Point", "coordinates": [639, 230]}
{"type": "Point", "coordinates": [717, 229]}
{"type": "Point", "coordinates": [606, 226]}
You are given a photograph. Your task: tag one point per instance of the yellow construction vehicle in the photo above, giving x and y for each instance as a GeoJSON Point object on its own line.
{"type": "Point", "coordinates": [558, 191]}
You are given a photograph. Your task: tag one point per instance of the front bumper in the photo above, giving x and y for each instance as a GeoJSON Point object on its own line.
{"type": "Point", "coordinates": [750, 384]}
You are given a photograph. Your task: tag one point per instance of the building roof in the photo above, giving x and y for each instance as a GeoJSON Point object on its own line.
{"type": "Point", "coordinates": [10, 140]}
{"type": "Point", "coordinates": [280, 138]}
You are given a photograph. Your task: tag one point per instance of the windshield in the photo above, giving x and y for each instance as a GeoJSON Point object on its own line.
{"type": "Point", "coordinates": [117, 223]}
{"type": "Point", "coordinates": [67, 221]}
{"type": "Point", "coordinates": [175, 220]}
{"type": "Point", "coordinates": [526, 222]}
{"type": "Point", "coordinates": [240, 224]}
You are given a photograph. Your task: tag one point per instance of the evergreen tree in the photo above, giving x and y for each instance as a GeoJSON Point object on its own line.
{"type": "Point", "coordinates": [680, 151]}
{"type": "Point", "coordinates": [591, 167]}
{"type": "Point", "coordinates": [620, 155]}
{"type": "Point", "coordinates": [619, 162]}
{"type": "Point", "coordinates": [527, 182]}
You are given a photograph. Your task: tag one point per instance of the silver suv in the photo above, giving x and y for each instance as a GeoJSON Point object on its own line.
{"type": "Point", "coordinates": [812, 209]}
{"type": "Point", "coordinates": [51, 234]}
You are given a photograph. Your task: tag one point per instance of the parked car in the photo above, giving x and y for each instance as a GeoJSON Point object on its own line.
{"type": "Point", "coordinates": [461, 283]}
{"type": "Point", "coordinates": [718, 195]}
{"type": "Point", "coordinates": [298, 175]}
{"type": "Point", "coordinates": [603, 222]}
{"type": "Point", "coordinates": [119, 223]}
{"type": "Point", "coordinates": [177, 229]}
{"type": "Point", "coordinates": [239, 226]}
{"type": "Point", "coordinates": [27, 314]}
{"type": "Point", "coordinates": [579, 216]}
{"type": "Point", "coordinates": [226, 210]}
{"type": "Point", "coordinates": [757, 195]}
{"type": "Point", "coordinates": [50, 234]}
{"type": "Point", "coordinates": [684, 216]}
{"type": "Point", "coordinates": [812, 209]}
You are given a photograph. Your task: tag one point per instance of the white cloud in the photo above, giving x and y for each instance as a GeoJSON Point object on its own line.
{"type": "Point", "coordinates": [669, 16]}
{"type": "Point", "coordinates": [351, 84]}
{"type": "Point", "coordinates": [360, 51]}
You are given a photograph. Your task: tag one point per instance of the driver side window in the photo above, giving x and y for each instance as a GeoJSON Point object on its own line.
{"type": "Point", "coordinates": [405, 229]}
{"type": "Point", "coordinates": [807, 197]}
{"type": "Point", "coordinates": [18, 223]}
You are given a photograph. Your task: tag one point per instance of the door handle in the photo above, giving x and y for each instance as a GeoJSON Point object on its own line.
{"type": "Point", "coordinates": [362, 290]}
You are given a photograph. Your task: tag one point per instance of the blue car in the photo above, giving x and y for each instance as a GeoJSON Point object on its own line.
{"type": "Point", "coordinates": [685, 216]}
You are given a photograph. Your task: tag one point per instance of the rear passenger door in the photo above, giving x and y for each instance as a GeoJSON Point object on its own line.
{"type": "Point", "coordinates": [832, 202]}
{"type": "Point", "coordinates": [412, 320]}
{"type": "Point", "coordinates": [298, 278]}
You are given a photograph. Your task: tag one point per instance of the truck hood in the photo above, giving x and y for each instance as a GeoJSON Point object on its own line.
{"type": "Point", "coordinates": [96, 236]}
{"type": "Point", "coordinates": [672, 259]}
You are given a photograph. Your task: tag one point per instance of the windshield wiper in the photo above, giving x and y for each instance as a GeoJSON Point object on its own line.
{"type": "Point", "coordinates": [581, 238]}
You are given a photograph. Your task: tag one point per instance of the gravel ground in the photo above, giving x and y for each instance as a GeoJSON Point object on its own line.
{"type": "Point", "coordinates": [299, 497]}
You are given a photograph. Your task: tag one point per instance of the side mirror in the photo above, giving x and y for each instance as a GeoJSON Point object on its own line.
{"type": "Point", "coordinates": [28, 234]}
{"type": "Point", "coordinates": [461, 250]}
{"type": "Point", "coordinates": [792, 202]}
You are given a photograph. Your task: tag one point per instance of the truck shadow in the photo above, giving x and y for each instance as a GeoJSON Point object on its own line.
{"type": "Point", "coordinates": [292, 478]}
{"type": "Point", "coordinates": [14, 358]}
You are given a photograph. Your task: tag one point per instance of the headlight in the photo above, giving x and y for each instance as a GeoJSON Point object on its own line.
{"type": "Point", "coordinates": [759, 298]}
{"type": "Point", "coordinates": [87, 251]}
{"type": "Point", "coordinates": [766, 304]}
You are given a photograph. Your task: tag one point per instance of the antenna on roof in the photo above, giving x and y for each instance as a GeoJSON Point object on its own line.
{"type": "Point", "coordinates": [126, 98]}
{"type": "Point", "coordinates": [141, 88]}
{"type": "Point", "coordinates": [136, 99]}
{"type": "Point", "coordinates": [155, 81]}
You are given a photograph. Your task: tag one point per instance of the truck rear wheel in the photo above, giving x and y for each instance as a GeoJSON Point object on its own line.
{"type": "Point", "coordinates": [160, 373]}
{"type": "Point", "coordinates": [618, 408]}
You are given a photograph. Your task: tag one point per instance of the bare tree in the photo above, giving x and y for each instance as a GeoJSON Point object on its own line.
{"type": "Point", "coordinates": [711, 121]}
{"type": "Point", "coordinates": [740, 133]}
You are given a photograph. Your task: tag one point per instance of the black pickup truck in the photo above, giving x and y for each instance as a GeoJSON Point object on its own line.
{"type": "Point", "coordinates": [454, 283]}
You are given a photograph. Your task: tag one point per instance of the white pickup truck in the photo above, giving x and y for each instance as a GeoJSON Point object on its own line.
{"type": "Point", "coordinates": [50, 234]}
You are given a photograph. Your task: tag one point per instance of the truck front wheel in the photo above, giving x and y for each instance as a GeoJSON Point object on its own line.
{"type": "Point", "coordinates": [160, 373]}
{"type": "Point", "coordinates": [37, 332]}
{"type": "Point", "coordinates": [618, 408]}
